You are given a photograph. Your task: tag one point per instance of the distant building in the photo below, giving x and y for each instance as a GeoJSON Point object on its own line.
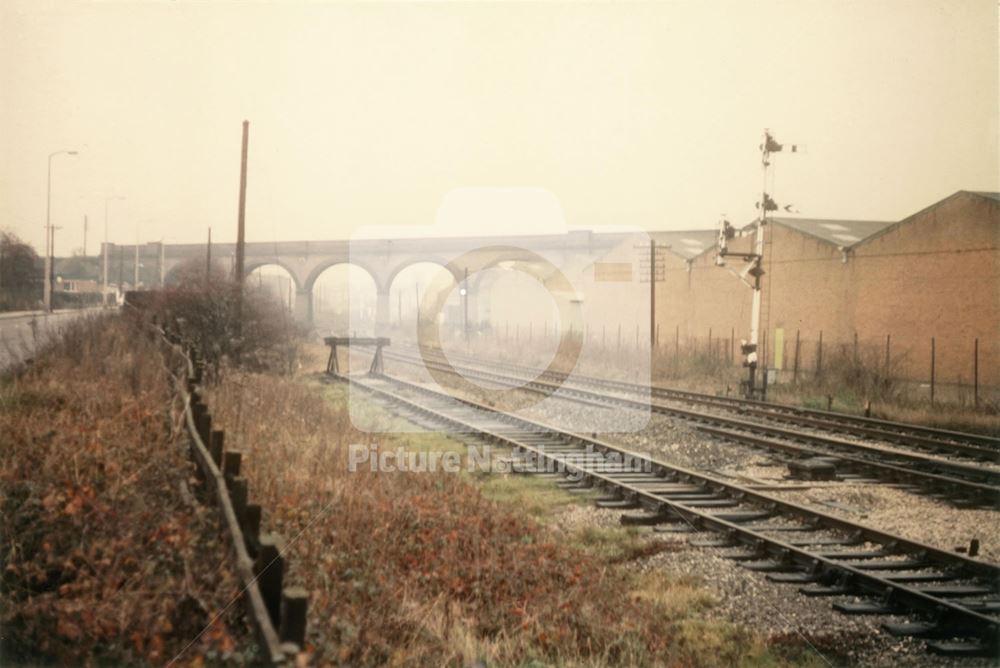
{"type": "Point", "coordinates": [882, 284]}
{"type": "Point", "coordinates": [77, 285]}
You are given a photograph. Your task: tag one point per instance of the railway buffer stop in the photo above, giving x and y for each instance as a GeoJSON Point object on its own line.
{"type": "Point", "coordinates": [378, 342]}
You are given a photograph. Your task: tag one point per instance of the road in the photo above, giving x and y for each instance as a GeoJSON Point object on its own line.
{"type": "Point", "coordinates": [23, 332]}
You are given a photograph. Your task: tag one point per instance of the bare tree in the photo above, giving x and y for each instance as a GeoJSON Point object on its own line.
{"type": "Point", "coordinates": [21, 274]}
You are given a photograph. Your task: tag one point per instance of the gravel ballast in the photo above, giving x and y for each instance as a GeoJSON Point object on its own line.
{"type": "Point", "coordinates": [747, 598]}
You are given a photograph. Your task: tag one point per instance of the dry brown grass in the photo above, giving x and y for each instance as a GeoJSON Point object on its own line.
{"type": "Point", "coordinates": [424, 569]}
{"type": "Point", "coordinates": [419, 568]}
{"type": "Point", "coordinates": [106, 557]}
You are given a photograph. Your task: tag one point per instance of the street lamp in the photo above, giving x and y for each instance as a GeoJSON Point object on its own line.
{"type": "Point", "coordinates": [104, 291]}
{"type": "Point", "coordinates": [49, 260]}
{"type": "Point", "coordinates": [163, 260]}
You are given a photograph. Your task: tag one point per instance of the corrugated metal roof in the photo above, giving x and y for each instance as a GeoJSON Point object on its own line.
{"type": "Point", "coordinates": [686, 243]}
{"type": "Point", "coordinates": [837, 232]}
{"type": "Point", "coordinates": [842, 233]}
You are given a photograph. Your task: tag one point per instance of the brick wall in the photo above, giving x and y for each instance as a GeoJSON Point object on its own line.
{"type": "Point", "coordinates": [937, 273]}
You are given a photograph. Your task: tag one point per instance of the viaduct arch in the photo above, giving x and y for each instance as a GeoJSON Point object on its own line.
{"type": "Point", "coordinates": [383, 259]}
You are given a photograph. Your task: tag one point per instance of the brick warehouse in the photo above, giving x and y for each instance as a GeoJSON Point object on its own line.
{"type": "Point", "coordinates": [861, 286]}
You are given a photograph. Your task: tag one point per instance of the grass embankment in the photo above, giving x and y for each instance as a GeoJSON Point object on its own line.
{"type": "Point", "coordinates": [106, 557]}
{"type": "Point", "coordinates": [444, 569]}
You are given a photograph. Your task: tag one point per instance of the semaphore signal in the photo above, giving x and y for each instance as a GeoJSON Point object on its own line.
{"type": "Point", "coordinates": [753, 272]}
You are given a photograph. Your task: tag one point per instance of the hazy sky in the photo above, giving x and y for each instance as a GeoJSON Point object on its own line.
{"type": "Point", "coordinates": [362, 114]}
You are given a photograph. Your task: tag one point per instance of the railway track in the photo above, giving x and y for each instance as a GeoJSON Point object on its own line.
{"type": "Point", "coordinates": [932, 440]}
{"type": "Point", "coordinates": [951, 600]}
{"type": "Point", "coordinates": [965, 483]}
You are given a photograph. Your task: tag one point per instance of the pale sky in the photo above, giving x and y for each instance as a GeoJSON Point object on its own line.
{"type": "Point", "coordinates": [370, 114]}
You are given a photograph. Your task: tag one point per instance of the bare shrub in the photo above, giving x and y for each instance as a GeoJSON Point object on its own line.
{"type": "Point", "coordinates": [853, 377]}
{"type": "Point", "coordinates": [103, 558]}
{"type": "Point", "coordinates": [261, 338]}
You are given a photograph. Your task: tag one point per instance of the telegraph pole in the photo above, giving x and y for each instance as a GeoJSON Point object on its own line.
{"type": "Point", "coordinates": [49, 234]}
{"type": "Point", "coordinates": [653, 250]}
{"type": "Point", "coordinates": [652, 293]}
{"type": "Point", "coordinates": [241, 233]}
{"type": "Point", "coordinates": [85, 235]}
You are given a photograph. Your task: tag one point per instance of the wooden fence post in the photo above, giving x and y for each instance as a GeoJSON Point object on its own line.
{"type": "Point", "coordinates": [238, 496]}
{"type": "Point", "coordinates": [231, 460]}
{"type": "Point", "coordinates": [294, 601]}
{"type": "Point", "coordinates": [203, 423]}
{"type": "Point", "coordinates": [217, 446]}
{"type": "Point", "coordinates": [270, 571]}
{"type": "Point", "coordinates": [251, 530]}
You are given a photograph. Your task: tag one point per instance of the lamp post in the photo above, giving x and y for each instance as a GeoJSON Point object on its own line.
{"type": "Point", "coordinates": [49, 260]}
{"type": "Point", "coordinates": [163, 260]}
{"type": "Point", "coordinates": [104, 290]}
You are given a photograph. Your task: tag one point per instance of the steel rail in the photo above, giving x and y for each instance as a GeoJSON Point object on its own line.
{"type": "Point", "coordinates": [946, 618]}
{"type": "Point", "coordinates": [972, 445]}
{"type": "Point", "coordinates": [957, 481]}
